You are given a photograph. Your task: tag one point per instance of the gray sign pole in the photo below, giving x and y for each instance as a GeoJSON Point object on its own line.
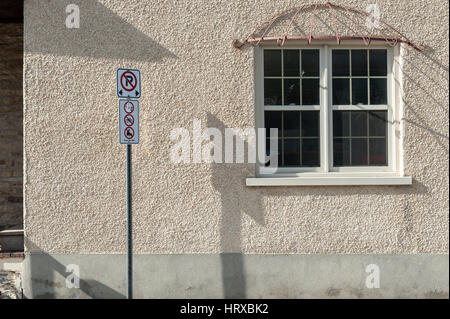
{"type": "Point", "coordinates": [129, 228]}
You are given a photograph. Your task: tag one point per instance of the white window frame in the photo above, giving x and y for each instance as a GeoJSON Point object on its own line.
{"type": "Point", "coordinates": [326, 174]}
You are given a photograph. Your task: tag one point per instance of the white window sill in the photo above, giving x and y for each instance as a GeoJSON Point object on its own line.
{"type": "Point", "coordinates": [331, 179]}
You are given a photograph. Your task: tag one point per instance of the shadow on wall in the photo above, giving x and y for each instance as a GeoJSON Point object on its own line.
{"type": "Point", "coordinates": [42, 268]}
{"type": "Point", "coordinates": [102, 33]}
{"type": "Point", "coordinates": [236, 200]}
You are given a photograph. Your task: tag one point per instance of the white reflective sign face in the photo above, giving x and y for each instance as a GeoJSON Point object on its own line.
{"type": "Point", "coordinates": [129, 83]}
{"type": "Point", "coordinates": [129, 122]}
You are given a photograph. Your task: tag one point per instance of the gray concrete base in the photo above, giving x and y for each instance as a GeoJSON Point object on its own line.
{"type": "Point", "coordinates": [240, 276]}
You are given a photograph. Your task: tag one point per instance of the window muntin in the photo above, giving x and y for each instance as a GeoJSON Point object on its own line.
{"type": "Point", "coordinates": [359, 78]}
{"type": "Point", "coordinates": [298, 137]}
{"type": "Point", "coordinates": [359, 138]}
{"type": "Point", "coordinates": [365, 148]}
{"type": "Point", "coordinates": [291, 77]}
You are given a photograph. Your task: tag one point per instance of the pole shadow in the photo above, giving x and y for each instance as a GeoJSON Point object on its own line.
{"type": "Point", "coordinates": [236, 200]}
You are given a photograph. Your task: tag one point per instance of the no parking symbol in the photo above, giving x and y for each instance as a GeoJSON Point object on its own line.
{"type": "Point", "coordinates": [128, 83]}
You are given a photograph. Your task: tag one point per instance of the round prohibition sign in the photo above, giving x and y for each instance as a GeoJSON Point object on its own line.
{"type": "Point", "coordinates": [129, 133]}
{"type": "Point", "coordinates": [128, 107]}
{"type": "Point", "coordinates": [128, 81]}
{"type": "Point", "coordinates": [128, 119]}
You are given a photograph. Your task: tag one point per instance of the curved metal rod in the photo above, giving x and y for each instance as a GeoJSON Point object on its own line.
{"type": "Point", "coordinates": [390, 40]}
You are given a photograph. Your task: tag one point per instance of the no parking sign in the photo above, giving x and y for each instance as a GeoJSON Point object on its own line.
{"type": "Point", "coordinates": [128, 83]}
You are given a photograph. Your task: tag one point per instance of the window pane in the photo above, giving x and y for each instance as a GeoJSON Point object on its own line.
{"type": "Point", "coordinates": [310, 152]}
{"type": "Point", "coordinates": [291, 61]}
{"type": "Point", "coordinates": [291, 122]}
{"type": "Point", "coordinates": [310, 124]}
{"type": "Point", "coordinates": [341, 92]}
{"type": "Point", "coordinates": [359, 62]}
{"type": "Point", "coordinates": [272, 62]}
{"type": "Point", "coordinates": [341, 63]}
{"type": "Point", "coordinates": [272, 119]}
{"type": "Point", "coordinates": [292, 92]}
{"type": "Point", "coordinates": [291, 152]}
{"type": "Point", "coordinates": [341, 152]}
{"type": "Point", "coordinates": [272, 92]}
{"type": "Point", "coordinates": [341, 123]}
{"type": "Point", "coordinates": [378, 91]}
{"type": "Point", "coordinates": [377, 123]}
{"type": "Point", "coordinates": [359, 123]}
{"type": "Point", "coordinates": [310, 62]}
{"type": "Point", "coordinates": [359, 91]}
{"type": "Point", "coordinates": [310, 92]}
{"type": "Point", "coordinates": [278, 152]}
{"type": "Point", "coordinates": [359, 151]}
{"type": "Point", "coordinates": [378, 62]}
{"type": "Point", "coordinates": [377, 151]}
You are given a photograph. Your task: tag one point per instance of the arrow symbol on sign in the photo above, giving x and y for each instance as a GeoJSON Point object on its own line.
{"type": "Point", "coordinates": [120, 92]}
{"type": "Point", "coordinates": [137, 93]}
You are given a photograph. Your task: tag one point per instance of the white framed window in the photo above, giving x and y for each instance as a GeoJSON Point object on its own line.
{"type": "Point", "coordinates": [336, 111]}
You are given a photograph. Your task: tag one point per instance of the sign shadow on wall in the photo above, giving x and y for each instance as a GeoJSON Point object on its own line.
{"type": "Point", "coordinates": [236, 200]}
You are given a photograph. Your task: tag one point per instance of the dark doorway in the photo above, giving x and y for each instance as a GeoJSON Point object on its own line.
{"type": "Point", "coordinates": [11, 123]}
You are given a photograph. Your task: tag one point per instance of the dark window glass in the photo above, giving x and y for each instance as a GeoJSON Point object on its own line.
{"type": "Point", "coordinates": [359, 91]}
{"type": "Point", "coordinates": [272, 119]}
{"type": "Point", "coordinates": [377, 151]}
{"type": "Point", "coordinates": [378, 91]}
{"type": "Point", "coordinates": [310, 92]}
{"type": "Point", "coordinates": [310, 123]}
{"type": "Point", "coordinates": [359, 151]}
{"type": "Point", "coordinates": [377, 123]}
{"type": "Point", "coordinates": [292, 92]}
{"type": "Point", "coordinates": [359, 62]}
{"type": "Point", "coordinates": [341, 123]}
{"type": "Point", "coordinates": [276, 155]}
{"type": "Point", "coordinates": [310, 63]}
{"type": "Point", "coordinates": [341, 92]}
{"type": "Point", "coordinates": [341, 62]}
{"type": "Point", "coordinates": [291, 152]}
{"type": "Point", "coordinates": [364, 141]}
{"type": "Point", "coordinates": [310, 152]}
{"type": "Point", "coordinates": [291, 124]}
{"type": "Point", "coordinates": [341, 152]}
{"type": "Point", "coordinates": [378, 62]}
{"type": "Point", "coordinates": [359, 123]}
{"type": "Point", "coordinates": [272, 92]}
{"type": "Point", "coordinates": [272, 62]}
{"type": "Point", "coordinates": [291, 61]}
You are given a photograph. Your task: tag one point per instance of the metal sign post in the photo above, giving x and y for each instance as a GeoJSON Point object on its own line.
{"type": "Point", "coordinates": [129, 85]}
{"type": "Point", "coordinates": [129, 227]}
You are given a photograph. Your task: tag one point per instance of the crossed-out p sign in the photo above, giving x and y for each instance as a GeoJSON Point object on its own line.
{"type": "Point", "coordinates": [128, 83]}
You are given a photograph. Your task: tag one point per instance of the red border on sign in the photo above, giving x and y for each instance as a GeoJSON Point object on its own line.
{"type": "Point", "coordinates": [124, 107]}
{"type": "Point", "coordinates": [125, 134]}
{"type": "Point", "coordinates": [128, 115]}
{"type": "Point", "coordinates": [123, 76]}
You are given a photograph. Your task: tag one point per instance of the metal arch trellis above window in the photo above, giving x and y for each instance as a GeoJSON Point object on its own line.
{"type": "Point", "coordinates": [259, 34]}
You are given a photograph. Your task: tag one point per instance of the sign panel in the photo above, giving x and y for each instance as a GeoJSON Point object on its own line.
{"type": "Point", "coordinates": [129, 83]}
{"type": "Point", "coordinates": [129, 122]}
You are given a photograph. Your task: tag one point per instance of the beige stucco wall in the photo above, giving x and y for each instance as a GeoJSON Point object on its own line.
{"type": "Point", "coordinates": [74, 184]}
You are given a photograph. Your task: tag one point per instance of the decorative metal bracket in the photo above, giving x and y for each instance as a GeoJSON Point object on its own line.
{"type": "Point", "coordinates": [332, 8]}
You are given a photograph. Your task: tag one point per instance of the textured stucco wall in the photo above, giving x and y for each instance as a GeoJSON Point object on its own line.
{"type": "Point", "coordinates": [75, 168]}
